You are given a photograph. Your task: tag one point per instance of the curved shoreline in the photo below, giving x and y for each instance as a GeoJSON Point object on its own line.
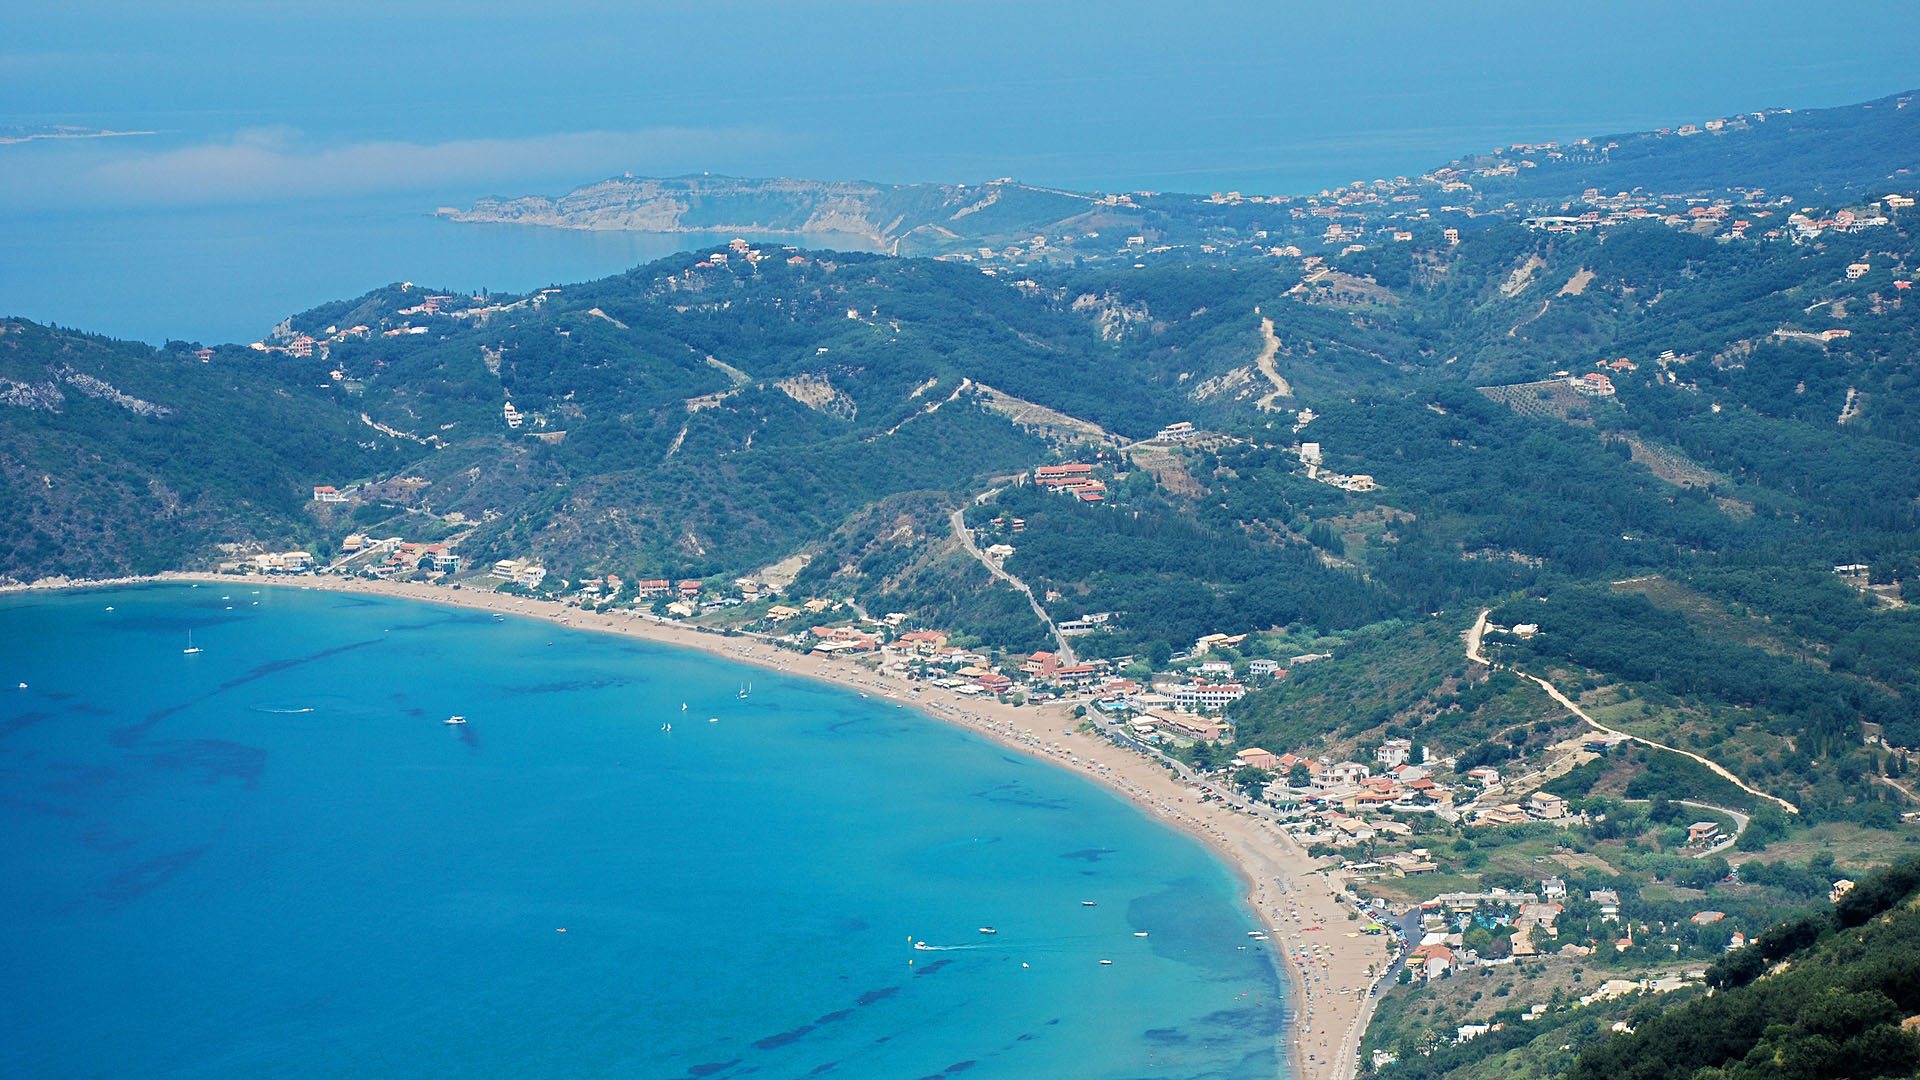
{"type": "Point", "coordinates": [1329, 987]}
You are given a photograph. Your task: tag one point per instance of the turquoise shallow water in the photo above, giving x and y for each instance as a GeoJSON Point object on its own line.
{"type": "Point", "coordinates": [272, 858]}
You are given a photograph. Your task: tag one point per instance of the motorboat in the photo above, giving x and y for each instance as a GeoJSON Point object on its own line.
{"type": "Point", "coordinates": [456, 720]}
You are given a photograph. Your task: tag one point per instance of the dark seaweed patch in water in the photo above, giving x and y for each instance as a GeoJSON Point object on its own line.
{"type": "Point", "coordinates": [21, 722]}
{"type": "Point", "coordinates": [80, 781]}
{"type": "Point", "coordinates": [1028, 1037]}
{"type": "Point", "coordinates": [711, 1067]}
{"type": "Point", "coordinates": [85, 709]}
{"type": "Point", "coordinates": [872, 996]}
{"type": "Point", "coordinates": [1165, 1036]}
{"type": "Point", "coordinates": [1014, 793]}
{"type": "Point", "coordinates": [102, 840]}
{"type": "Point", "coordinates": [212, 759]}
{"type": "Point", "coordinates": [1092, 854]}
{"type": "Point", "coordinates": [774, 1042]}
{"type": "Point", "coordinates": [928, 969]}
{"type": "Point", "coordinates": [133, 733]}
{"type": "Point", "coordinates": [567, 687]}
{"type": "Point", "coordinates": [825, 1067]}
{"type": "Point", "coordinates": [142, 878]}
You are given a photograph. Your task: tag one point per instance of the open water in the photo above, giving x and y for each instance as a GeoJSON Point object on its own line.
{"type": "Point", "coordinates": [274, 858]}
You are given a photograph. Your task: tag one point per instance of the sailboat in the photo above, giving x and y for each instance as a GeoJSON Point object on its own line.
{"type": "Point", "coordinates": [745, 689]}
{"type": "Point", "coordinates": [191, 647]}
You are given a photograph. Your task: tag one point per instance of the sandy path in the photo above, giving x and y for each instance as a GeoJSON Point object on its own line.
{"type": "Point", "coordinates": [1474, 653]}
{"type": "Point", "coordinates": [1270, 348]}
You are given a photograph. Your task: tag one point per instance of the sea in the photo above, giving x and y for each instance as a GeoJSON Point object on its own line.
{"type": "Point", "coordinates": [274, 857]}
{"type": "Point", "coordinates": [292, 154]}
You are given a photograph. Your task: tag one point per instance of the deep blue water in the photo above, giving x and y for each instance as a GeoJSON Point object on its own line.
{"type": "Point", "coordinates": [272, 858]}
{"type": "Point", "coordinates": [297, 147]}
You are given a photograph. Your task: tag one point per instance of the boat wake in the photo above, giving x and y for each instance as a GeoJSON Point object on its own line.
{"type": "Point", "coordinates": [279, 710]}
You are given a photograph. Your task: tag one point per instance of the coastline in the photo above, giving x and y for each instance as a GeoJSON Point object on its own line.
{"type": "Point", "coordinates": [1299, 905]}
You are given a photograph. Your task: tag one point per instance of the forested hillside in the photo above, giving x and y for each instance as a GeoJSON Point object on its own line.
{"type": "Point", "coordinates": [1827, 992]}
{"type": "Point", "coordinates": [1641, 437]}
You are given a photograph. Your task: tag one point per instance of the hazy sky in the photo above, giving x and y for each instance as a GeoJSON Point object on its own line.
{"type": "Point", "coordinates": [262, 101]}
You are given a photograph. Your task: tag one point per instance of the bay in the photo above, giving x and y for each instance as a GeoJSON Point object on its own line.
{"type": "Point", "coordinates": [228, 274]}
{"type": "Point", "coordinates": [273, 857]}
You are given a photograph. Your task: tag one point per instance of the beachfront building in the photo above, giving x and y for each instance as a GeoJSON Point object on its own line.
{"type": "Point", "coordinates": [522, 572]}
{"type": "Point", "coordinates": [1209, 696]}
{"type": "Point", "coordinates": [1174, 722]}
{"type": "Point", "coordinates": [283, 562]}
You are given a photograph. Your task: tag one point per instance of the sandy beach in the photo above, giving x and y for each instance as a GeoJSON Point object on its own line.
{"type": "Point", "coordinates": [1332, 967]}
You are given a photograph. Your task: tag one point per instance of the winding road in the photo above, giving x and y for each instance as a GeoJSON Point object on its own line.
{"type": "Point", "coordinates": [1474, 653]}
{"type": "Point", "coordinates": [958, 519]}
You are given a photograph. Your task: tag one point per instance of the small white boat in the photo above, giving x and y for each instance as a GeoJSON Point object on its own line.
{"type": "Point", "coordinates": [713, 719]}
{"type": "Point", "coordinates": [1139, 933]}
{"type": "Point", "coordinates": [1105, 962]}
{"type": "Point", "coordinates": [745, 689]}
{"type": "Point", "coordinates": [1089, 903]}
{"type": "Point", "coordinates": [923, 946]}
{"type": "Point", "coordinates": [109, 607]}
{"type": "Point", "coordinates": [988, 930]}
{"type": "Point", "coordinates": [456, 720]}
{"type": "Point", "coordinates": [191, 647]}
{"type": "Point", "coordinates": [23, 686]}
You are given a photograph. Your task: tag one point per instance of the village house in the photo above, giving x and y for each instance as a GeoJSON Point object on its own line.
{"type": "Point", "coordinates": [1255, 758]}
{"type": "Point", "coordinates": [328, 494]}
{"type": "Point", "coordinates": [923, 642]}
{"type": "Point", "coordinates": [1592, 384]}
{"type": "Point", "coordinates": [1429, 961]}
{"type": "Point", "coordinates": [1203, 645]}
{"type": "Point", "coordinates": [1546, 806]}
{"type": "Point", "coordinates": [1608, 901]}
{"type": "Point", "coordinates": [1263, 668]}
{"type": "Point", "coordinates": [1394, 752]}
{"type": "Point", "coordinates": [1703, 833]}
{"type": "Point", "coordinates": [653, 588]}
